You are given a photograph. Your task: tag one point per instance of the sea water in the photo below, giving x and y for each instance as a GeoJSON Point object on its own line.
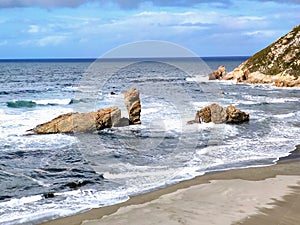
{"type": "Point", "coordinates": [88, 170]}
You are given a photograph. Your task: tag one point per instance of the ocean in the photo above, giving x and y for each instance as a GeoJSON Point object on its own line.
{"type": "Point", "coordinates": [44, 177]}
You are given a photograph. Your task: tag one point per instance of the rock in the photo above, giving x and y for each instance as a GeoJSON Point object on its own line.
{"type": "Point", "coordinates": [217, 74]}
{"type": "Point", "coordinates": [49, 195]}
{"type": "Point", "coordinates": [235, 115]}
{"type": "Point", "coordinates": [133, 105]}
{"type": "Point", "coordinates": [123, 122]}
{"type": "Point", "coordinates": [222, 70]}
{"type": "Point", "coordinates": [80, 122]}
{"type": "Point", "coordinates": [77, 184]}
{"type": "Point", "coordinates": [276, 64]}
{"type": "Point", "coordinates": [211, 113]}
{"type": "Point", "coordinates": [217, 114]}
{"type": "Point", "coordinates": [92, 121]}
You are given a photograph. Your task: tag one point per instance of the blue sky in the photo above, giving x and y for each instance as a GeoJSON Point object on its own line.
{"type": "Point", "coordinates": [90, 28]}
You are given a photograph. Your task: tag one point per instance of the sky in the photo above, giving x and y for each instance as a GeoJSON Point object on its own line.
{"type": "Point", "coordinates": [91, 28]}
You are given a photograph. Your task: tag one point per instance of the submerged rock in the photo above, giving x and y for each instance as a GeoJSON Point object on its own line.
{"type": "Point", "coordinates": [217, 114]}
{"type": "Point", "coordinates": [133, 105]}
{"type": "Point", "coordinates": [278, 64]}
{"type": "Point", "coordinates": [80, 122]}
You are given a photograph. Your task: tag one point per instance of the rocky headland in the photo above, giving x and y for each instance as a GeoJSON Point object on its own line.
{"type": "Point", "coordinates": [277, 64]}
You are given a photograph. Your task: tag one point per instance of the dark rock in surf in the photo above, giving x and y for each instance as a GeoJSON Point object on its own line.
{"type": "Point", "coordinates": [77, 184]}
{"type": "Point", "coordinates": [49, 195]}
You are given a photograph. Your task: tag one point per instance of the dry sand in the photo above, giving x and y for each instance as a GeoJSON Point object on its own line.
{"type": "Point", "coordinates": [265, 195]}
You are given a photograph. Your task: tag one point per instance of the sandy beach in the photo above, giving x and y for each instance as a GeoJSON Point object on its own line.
{"type": "Point", "coordinates": [261, 195]}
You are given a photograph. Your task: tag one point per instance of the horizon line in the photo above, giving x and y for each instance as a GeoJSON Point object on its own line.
{"type": "Point", "coordinates": [115, 58]}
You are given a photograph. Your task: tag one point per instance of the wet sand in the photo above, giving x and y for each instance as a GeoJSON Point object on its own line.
{"type": "Point", "coordinates": [261, 195]}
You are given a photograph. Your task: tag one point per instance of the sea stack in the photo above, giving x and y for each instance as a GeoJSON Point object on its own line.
{"type": "Point", "coordinates": [279, 63]}
{"type": "Point", "coordinates": [133, 105]}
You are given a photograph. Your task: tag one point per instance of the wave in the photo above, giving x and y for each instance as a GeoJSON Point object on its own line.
{"type": "Point", "coordinates": [81, 100]}
{"type": "Point", "coordinates": [21, 104]}
{"type": "Point", "coordinates": [31, 104]}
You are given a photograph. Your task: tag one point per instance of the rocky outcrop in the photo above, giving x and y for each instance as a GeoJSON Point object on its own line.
{"type": "Point", "coordinates": [133, 105]}
{"type": "Point", "coordinates": [217, 114]}
{"type": "Point", "coordinates": [217, 74]}
{"type": "Point", "coordinates": [235, 115]}
{"type": "Point", "coordinates": [80, 122]}
{"type": "Point", "coordinates": [279, 63]}
{"type": "Point", "coordinates": [93, 121]}
{"type": "Point", "coordinates": [211, 113]}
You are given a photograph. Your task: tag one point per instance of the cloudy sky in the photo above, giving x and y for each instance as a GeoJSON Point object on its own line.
{"type": "Point", "coordinates": [89, 28]}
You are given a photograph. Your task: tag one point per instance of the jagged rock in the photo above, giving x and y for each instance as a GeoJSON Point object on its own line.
{"type": "Point", "coordinates": [217, 114]}
{"type": "Point", "coordinates": [211, 113]}
{"type": "Point", "coordinates": [133, 105]}
{"type": "Point", "coordinates": [217, 74]}
{"type": "Point", "coordinates": [235, 115]}
{"type": "Point", "coordinates": [277, 64]}
{"type": "Point", "coordinates": [80, 122]}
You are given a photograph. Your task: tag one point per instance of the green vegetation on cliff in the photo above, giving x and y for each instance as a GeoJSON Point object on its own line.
{"type": "Point", "coordinates": [283, 56]}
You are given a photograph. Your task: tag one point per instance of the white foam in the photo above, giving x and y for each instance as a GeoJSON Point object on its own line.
{"type": "Point", "coordinates": [284, 115]}
{"type": "Point", "coordinates": [267, 99]}
{"type": "Point", "coordinates": [21, 201]}
{"type": "Point", "coordinates": [53, 101]}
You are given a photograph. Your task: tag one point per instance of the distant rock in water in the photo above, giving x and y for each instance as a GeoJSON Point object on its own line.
{"type": "Point", "coordinates": [279, 63]}
{"type": "Point", "coordinates": [80, 122]}
{"type": "Point", "coordinates": [217, 114]}
{"type": "Point", "coordinates": [21, 104]}
{"type": "Point", "coordinates": [49, 195]}
{"type": "Point", "coordinates": [133, 105]}
{"type": "Point", "coordinates": [217, 74]}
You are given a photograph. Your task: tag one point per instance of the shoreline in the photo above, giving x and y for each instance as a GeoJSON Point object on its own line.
{"type": "Point", "coordinates": [285, 173]}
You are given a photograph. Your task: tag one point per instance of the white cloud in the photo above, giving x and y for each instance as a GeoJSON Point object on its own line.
{"type": "Point", "coordinates": [33, 29]}
{"type": "Point", "coordinates": [43, 42]}
{"type": "Point", "coordinates": [260, 33]}
{"type": "Point", "coordinates": [51, 40]}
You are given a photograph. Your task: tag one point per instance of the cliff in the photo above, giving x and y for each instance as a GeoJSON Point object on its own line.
{"type": "Point", "coordinates": [279, 63]}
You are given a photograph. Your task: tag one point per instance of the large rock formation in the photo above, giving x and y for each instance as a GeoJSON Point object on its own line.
{"type": "Point", "coordinates": [133, 105]}
{"type": "Point", "coordinates": [80, 122]}
{"type": "Point", "coordinates": [217, 114]}
{"type": "Point", "coordinates": [279, 63]}
{"type": "Point", "coordinates": [92, 121]}
{"type": "Point", "coordinates": [217, 74]}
